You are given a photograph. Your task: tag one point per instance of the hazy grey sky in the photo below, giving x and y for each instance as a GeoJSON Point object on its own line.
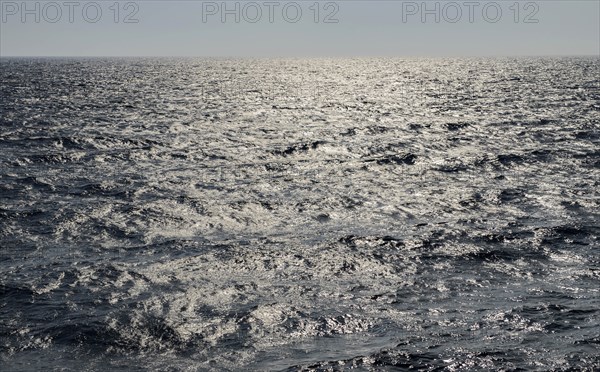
{"type": "Point", "coordinates": [287, 28]}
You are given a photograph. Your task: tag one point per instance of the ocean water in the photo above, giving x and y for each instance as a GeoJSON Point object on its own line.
{"type": "Point", "coordinates": [299, 214]}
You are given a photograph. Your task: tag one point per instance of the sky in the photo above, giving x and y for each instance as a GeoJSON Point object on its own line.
{"type": "Point", "coordinates": [298, 28]}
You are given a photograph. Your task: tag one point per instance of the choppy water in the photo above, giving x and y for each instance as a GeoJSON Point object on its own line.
{"type": "Point", "coordinates": [184, 214]}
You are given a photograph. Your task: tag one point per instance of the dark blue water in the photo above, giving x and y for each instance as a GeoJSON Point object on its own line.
{"type": "Point", "coordinates": [382, 214]}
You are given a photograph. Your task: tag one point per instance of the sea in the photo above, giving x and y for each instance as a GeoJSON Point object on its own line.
{"type": "Point", "coordinates": [325, 214]}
